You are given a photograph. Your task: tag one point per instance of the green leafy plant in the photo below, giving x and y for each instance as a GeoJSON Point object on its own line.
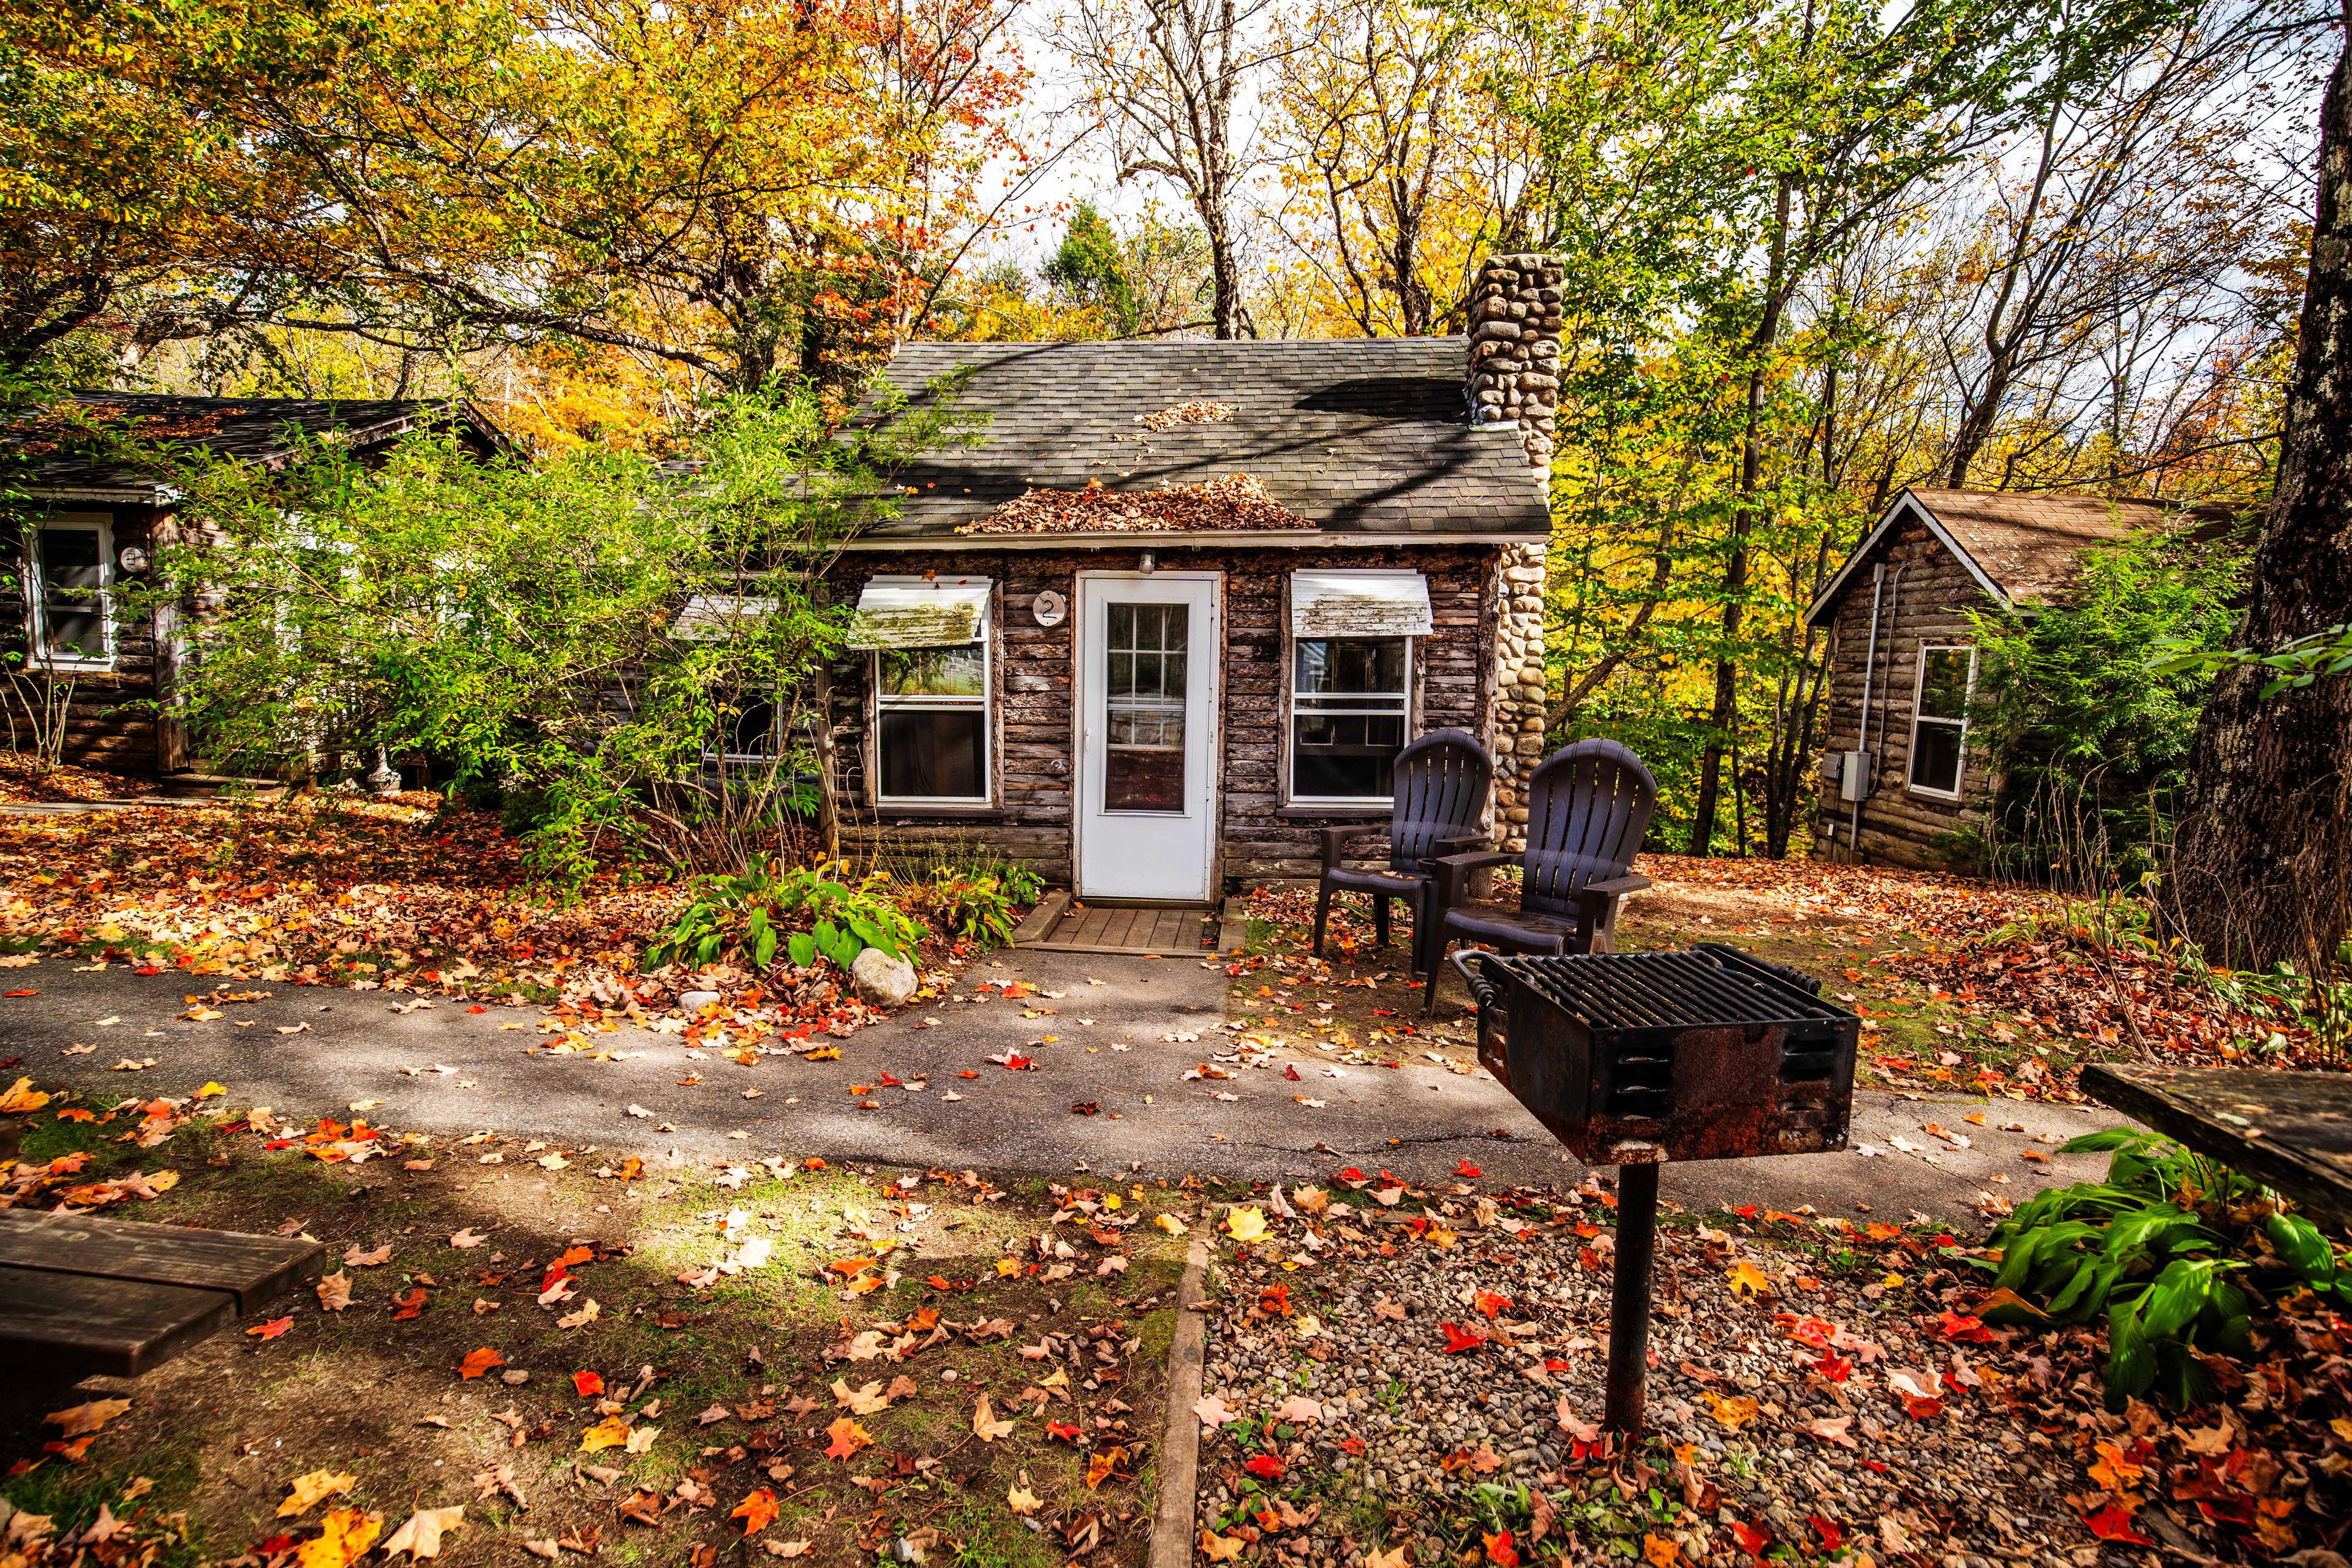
{"type": "Point", "coordinates": [975, 905]}
{"type": "Point", "coordinates": [2155, 1249]}
{"type": "Point", "coordinates": [800, 911]}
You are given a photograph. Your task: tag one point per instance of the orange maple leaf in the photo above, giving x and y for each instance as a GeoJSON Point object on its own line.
{"type": "Point", "coordinates": [478, 1361]}
{"type": "Point", "coordinates": [756, 1511]}
{"type": "Point", "coordinates": [848, 1436]}
{"type": "Point", "coordinates": [272, 1329]}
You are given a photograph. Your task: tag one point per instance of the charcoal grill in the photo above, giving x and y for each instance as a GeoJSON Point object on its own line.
{"type": "Point", "coordinates": [1635, 1058]}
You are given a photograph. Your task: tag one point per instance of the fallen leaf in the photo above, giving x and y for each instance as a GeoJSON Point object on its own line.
{"type": "Point", "coordinates": [984, 1424]}
{"type": "Point", "coordinates": [420, 1534]}
{"type": "Point", "coordinates": [308, 1489]}
{"type": "Point", "coordinates": [756, 1511]}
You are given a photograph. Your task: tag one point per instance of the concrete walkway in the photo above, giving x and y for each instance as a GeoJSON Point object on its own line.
{"type": "Point", "coordinates": [1420, 1122]}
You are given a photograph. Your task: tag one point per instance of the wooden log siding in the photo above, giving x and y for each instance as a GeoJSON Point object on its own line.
{"type": "Point", "coordinates": [1033, 733]}
{"type": "Point", "coordinates": [1930, 607]}
{"type": "Point", "coordinates": [110, 720]}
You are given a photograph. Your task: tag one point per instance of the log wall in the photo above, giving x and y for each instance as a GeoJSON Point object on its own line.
{"type": "Point", "coordinates": [1034, 733]}
{"type": "Point", "coordinates": [1927, 606]}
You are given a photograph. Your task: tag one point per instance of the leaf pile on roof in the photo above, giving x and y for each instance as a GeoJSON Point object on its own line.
{"type": "Point", "coordinates": [1194, 411]}
{"type": "Point", "coordinates": [1238, 502]}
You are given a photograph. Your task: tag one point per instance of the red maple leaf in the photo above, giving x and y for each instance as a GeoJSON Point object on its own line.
{"type": "Point", "coordinates": [2112, 1523]}
{"type": "Point", "coordinates": [1472, 1172]}
{"type": "Point", "coordinates": [1501, 1552]}
{"type": "Point", "coordinates": [1962, 1330]}
{"type": "Point", "coordinates": [1752, 1537]}
{"type": "Point", "coordinates": [1266, 1468]}
{"type": "Point", "coordinates": [1459, 1339]}
{"type": "Point", "coordinates": [1832, 1366]}
{"type": "Point", "coordinates": [1489, 1303]}
{"type": "Point", "coordinates": [588, 1383]}
{"type": "Point", "coordinates": [408, 1306]}
{"type": "Point", "coordinates": [1746, 1211]}
{"type": "Point", "coordinates": [272, 1329]}
{"type": "Point", "coordinates": [1832, 1534]}
{"type": "Point", "coordinates": [1067, 1433]}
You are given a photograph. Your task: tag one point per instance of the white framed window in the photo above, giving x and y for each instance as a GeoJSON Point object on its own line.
{"type": "Point", "coordinates": [930, 724]}
{"type": "Point", "coordinates": [1350, 701]}
{"type": "Point", "coordinates": [1939, 720]}
{"type": "Point", "coordinates": [69, 591]}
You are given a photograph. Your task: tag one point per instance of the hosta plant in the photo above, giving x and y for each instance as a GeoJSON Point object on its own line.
{"type": "Point", "coordinates": [799, 912]}
{"type": "Point", "coordinates": [2158, 1251]}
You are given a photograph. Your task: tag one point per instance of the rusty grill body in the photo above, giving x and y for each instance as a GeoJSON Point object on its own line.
{"type": "Point", "coordinates": [1633, 1058]}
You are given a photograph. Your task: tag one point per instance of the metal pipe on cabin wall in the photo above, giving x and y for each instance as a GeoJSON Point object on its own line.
{"type": "Point", "coordinates": [1894, 614]}
{"type": "Point", "coordinates": [1869, 674]}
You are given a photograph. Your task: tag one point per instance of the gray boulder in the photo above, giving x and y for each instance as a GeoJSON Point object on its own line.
{"type": "Point", "coordinates": [881, 980]}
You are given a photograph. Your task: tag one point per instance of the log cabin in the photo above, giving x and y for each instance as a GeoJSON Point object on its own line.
{"type": "Point", "coordinates": [1183, 601]}
{"type": "Point", "coordinates": [1902, 781]}
{"type": "Point", "coordinates": [84, 518]}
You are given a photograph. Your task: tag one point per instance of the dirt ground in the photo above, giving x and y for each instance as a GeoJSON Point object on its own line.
{"type": "Point", "coordinates": [720, 1393]}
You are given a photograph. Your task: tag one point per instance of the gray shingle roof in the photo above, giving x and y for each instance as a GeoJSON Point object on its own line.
{"type": "Point", "coordinates": [59, 462]}
{"type": "Point", "coordinates": [1363, 435]}
{"type": "Point", "coordinates": [2024, 547]}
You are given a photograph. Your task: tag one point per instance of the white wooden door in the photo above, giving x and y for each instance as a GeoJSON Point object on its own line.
{"type": "Point", "coordinates": [1147, 799]}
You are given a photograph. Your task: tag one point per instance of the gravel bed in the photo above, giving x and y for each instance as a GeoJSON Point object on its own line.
{"type": "Point", "coordinates": [1487, 1453]}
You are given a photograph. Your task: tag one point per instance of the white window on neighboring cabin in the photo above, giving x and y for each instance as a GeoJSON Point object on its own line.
{"type": "Point", "coordinates": [1349, 700]}
{"type": "Point", "coordinates": [930, 725]}
{"type": "Point", "coordinates": [1939, 720]}
{"type": "Point", "coordinates": [69, 580]}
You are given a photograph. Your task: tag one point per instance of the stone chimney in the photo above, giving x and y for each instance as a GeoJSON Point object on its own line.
{"type": "Point", "coordinates": [1515, 321]}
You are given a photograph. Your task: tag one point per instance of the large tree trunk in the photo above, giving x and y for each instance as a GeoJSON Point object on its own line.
{"type": "Point", "coordinates": [2262, 871]}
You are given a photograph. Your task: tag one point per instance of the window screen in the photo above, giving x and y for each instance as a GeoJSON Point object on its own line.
{"type": "Point", "coordinates": [1349, 700]}
{"type": "Point", "coordinates": [931, 739]}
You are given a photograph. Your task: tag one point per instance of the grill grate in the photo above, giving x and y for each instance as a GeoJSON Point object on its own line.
{"type": "Point", "coordinates": [1706, 987]}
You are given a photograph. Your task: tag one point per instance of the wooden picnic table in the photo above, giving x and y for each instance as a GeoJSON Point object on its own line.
{"type": "Point", "coordinates": [2290, 1131]}
{"type": "Point", "coordinates": [80, 1294]}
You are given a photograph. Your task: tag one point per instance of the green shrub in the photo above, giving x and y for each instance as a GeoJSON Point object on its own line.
{"type": "Point", "coordinates": [2089, 736]}
{"type": "Point", "coordinates": [799, 912]}
{"type": "Point", "coordinates": [2153, 1250]}
{"type": "Point", "coordinates": [974, 904]}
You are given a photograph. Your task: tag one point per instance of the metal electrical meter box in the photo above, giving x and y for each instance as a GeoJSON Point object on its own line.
{"type": "Point", "coordinates": [1853, 778]}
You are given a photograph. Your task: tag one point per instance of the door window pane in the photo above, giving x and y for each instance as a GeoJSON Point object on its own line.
{"type": "Point", "coordinates": [1144, 688]}
{"type": "Point", "coordinates": [1348, 701]}
{"type": "Point", "coordinates": [927, 752]}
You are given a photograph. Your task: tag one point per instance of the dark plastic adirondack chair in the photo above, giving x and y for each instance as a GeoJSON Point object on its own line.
{"type": "Point", "coordinates": [1441, 782]}
{"type": "Point", "coordinates": [1588, 805]}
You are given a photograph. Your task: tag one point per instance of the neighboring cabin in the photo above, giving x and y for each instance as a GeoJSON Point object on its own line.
{"type": "Point", "coordinates": [1903, 776]}
{"type": "Point", "coordinates": [84, 524]}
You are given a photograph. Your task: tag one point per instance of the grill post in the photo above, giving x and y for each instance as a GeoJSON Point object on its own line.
{"type": "Point", "coordinates": [1629, 1297]}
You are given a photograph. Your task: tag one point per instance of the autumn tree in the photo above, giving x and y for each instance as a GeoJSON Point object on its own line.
{"type": "Point", "coordinates": [1168, 78]}
{"type": "Point", "coordinates": [2262, 871]}
{"type": "Point", "coordinates": [1396, 156]}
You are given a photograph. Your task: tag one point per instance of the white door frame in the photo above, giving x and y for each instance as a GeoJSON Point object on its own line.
{"type": "Point", "coordinates": [1203, 744]}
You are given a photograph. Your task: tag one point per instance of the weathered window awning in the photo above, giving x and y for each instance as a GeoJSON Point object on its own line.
{"type": "Point", "coordinates": [919, 612]}
{"type": "Point", "coordinates": [1359, 604]}
{"type": "Point", "coordinates": [715, 617]}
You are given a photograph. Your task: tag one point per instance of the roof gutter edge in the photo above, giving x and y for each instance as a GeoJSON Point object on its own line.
{"type": "Point", "coordinates": [1294, 539]}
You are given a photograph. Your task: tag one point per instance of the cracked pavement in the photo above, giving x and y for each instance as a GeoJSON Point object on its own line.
{"type": "Point", "coordinates": [1418, 1120]}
